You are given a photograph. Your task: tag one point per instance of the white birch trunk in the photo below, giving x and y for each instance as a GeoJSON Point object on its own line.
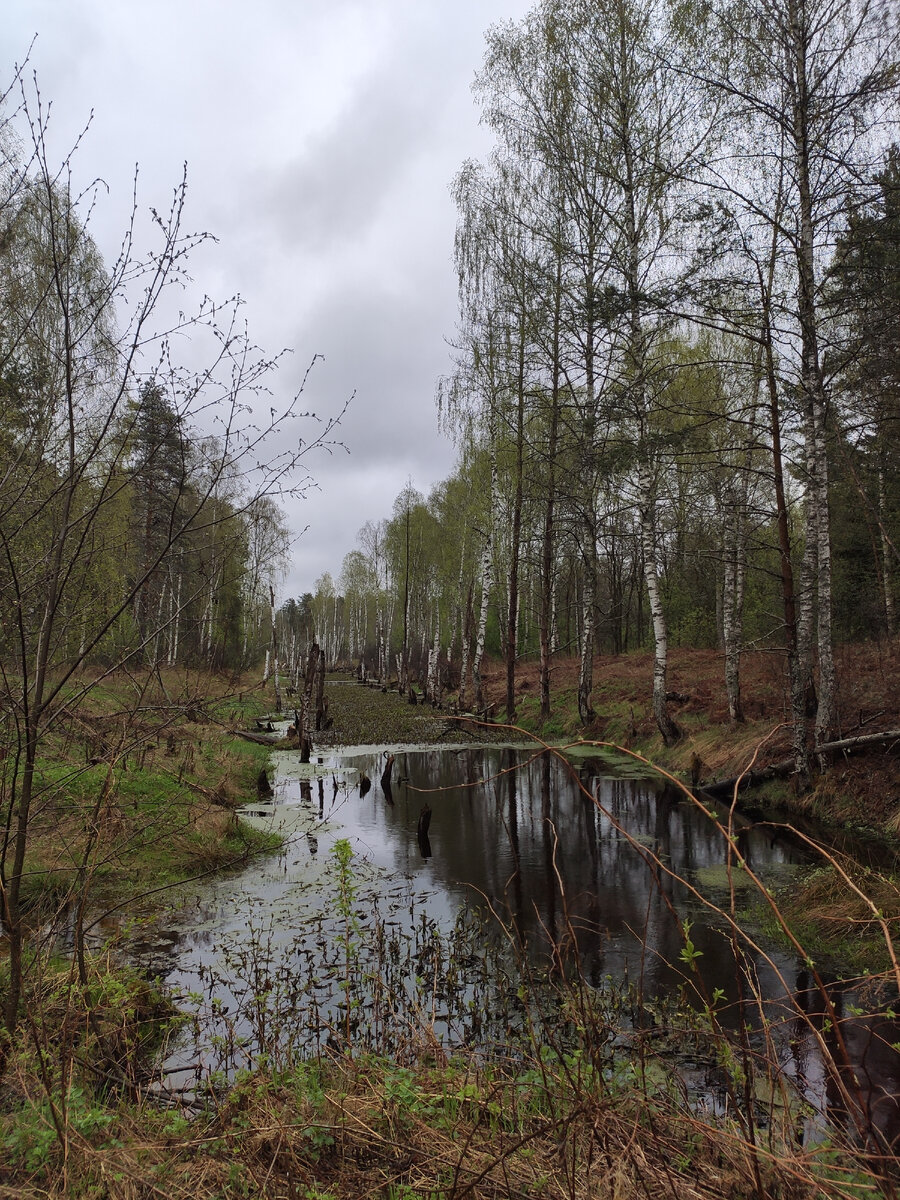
{"type": "Point", "coordinates": [464, 657]}
{"type": "Point", "coordinates": [486, 565]}
{"type": "Point", "coordinates": [586, 648]}
{"type": "Point", "coordinates": [176, 625]}
{"type": "Point", "coordinates": [665, 724]}
{"type": "Point", "coordinates": [487, 559]}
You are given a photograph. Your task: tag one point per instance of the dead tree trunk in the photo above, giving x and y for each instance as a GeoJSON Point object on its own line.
{"type": "Point", "coordinates": [303, 719]}
{"type": "Point", "coordinates": [321, 702]}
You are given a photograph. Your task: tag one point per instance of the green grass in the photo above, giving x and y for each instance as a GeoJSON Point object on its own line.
{"type": "Point", "coordinates": [157, 810]}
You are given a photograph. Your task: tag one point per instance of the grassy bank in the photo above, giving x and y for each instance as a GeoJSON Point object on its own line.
{"type": "Point", "coordinates": [354, 1129]}
{"type": "Point", "coordinates": [136, 787]}
{"type": "Point", "coordinates": [860, 791]}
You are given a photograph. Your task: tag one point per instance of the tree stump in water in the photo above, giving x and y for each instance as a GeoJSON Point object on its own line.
{"type": "Point", "coordinates": [263, 787]}
{"type": "Point", "coordinates": [424, 821]}
{"type": "Point", "coordinates": [696, 769]}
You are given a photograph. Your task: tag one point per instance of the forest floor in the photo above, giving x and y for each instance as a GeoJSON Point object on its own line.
{"type": "Point", "coordinates": [860, 791]}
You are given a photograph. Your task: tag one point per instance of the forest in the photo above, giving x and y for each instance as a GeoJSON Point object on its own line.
{"type": "Point", "coordinates": [398, 954]}
{"type": "Point", "coordinates": [675, 379]}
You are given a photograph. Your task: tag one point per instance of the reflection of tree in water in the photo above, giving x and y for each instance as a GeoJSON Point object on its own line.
{"type": "Point", "coordinates": [602, 865]}
{"type": "Point", "coordinates": [593, 865]}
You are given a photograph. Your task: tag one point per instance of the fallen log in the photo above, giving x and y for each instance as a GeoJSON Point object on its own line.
{"type": "Point", "coordinates": [860, 741]}
{"type": "Point", "coordinates": [785, 766]}
{"type": "Point", "coordinates": [260, 738]}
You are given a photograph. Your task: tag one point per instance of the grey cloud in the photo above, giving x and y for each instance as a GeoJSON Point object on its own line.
{"type": "Point", "coordinates": [389, 348]}
{"type": "Point", "coordinates": [322, 162]}
{"type": "Point", "coordinates": [337, 188]}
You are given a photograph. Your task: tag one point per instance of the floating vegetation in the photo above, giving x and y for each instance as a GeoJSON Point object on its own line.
{"type": "Point", "coordinates": [371, 972]}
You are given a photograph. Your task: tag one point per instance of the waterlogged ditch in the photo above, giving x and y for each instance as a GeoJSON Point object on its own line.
{"type": "Point", "coordinates": [574, 909]}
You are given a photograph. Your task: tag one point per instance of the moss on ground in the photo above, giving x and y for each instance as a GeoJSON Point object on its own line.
{"type": "Point", "coordinates": [367, 716]}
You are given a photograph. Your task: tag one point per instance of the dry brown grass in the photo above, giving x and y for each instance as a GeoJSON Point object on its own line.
{"type": "Point", "coordinates": [354, 1140]}
{"type": "Point", "coordinates": [863, 790]}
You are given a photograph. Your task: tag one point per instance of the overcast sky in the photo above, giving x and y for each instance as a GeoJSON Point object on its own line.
{"type": "Point", "coordinates": [320, 138]}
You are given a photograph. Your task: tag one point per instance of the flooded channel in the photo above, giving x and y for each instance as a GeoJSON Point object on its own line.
{"type": "Point", "coordinates": [612, 879]}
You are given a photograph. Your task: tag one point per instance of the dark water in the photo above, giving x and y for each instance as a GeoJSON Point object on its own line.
{"type": "Point", "coordinates": [589, 868]}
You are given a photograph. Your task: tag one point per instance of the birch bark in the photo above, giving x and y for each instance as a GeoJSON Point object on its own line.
{"type": "Point", "coordinates": [487, 558]}
{"type": "Point", "coordinates": [667, 727]}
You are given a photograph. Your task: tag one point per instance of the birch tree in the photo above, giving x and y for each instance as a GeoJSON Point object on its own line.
{"type": "Point", "coordinates": [645, 116]}
{"type": "Point", "coordinates": [808, 83]}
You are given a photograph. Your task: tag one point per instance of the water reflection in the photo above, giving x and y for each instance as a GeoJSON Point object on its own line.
{"type": "Point", "coordinates": [589, 868]}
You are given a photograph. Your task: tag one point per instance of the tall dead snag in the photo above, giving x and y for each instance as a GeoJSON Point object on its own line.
{"type": "Point", "coordinates": [303, 723]}
{"type": "Point", "coordinates": [321, 701]}
{"type": "Point", "coordinates": [278, 697]}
